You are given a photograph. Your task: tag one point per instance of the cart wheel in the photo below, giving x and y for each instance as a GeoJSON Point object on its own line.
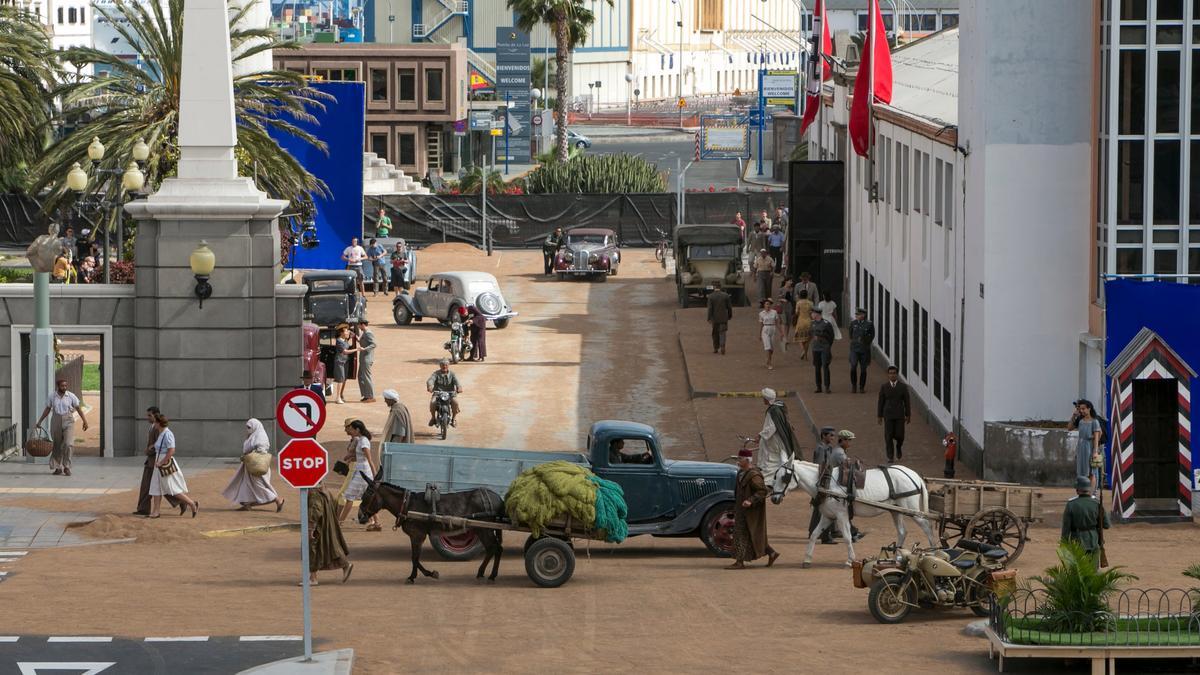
{"type": "Point", "coordinates": [999, 527]}
{"type": "Point", "coordinates": [549, 562]}
{"type": "Point", "coordinates": [951, 529]}
{"type": "Point", "coordinates": [461, 546]}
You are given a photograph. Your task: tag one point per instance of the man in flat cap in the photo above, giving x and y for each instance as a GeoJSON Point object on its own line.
{"type": "Point", "coordinates": [750, 515]}
{"type": "Point", "coordinates": [862, 334]}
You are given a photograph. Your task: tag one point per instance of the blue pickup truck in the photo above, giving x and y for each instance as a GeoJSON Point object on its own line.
{"type": "Point", "coordinates": [666, 497]}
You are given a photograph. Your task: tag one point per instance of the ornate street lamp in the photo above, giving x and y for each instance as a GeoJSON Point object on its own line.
{"type": "Point", "coordinates": [132, 181]}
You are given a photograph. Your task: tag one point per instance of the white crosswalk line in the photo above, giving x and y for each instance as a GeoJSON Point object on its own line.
{"type": "Point", "coordinates": [78, 638]}
{"type": "Point", "coordinates": [16, 553]}
{"type": "Point", "coordinates": [186, 638]}
{"type": "Point", "coordinates": [9, 638]}
{"type": "Point", "coordinates": [269, 638]}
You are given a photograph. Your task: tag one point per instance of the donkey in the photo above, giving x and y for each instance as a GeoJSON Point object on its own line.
{"type": "Point", "coordinates": [894, 484]}
{"type": "Point", "coordinates": [478, 504]}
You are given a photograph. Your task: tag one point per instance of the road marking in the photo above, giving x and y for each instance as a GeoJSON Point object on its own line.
{"type": "Point", "coordinates": [84, 668]}
{"type": "Point", "coordinates": [8, 553]}
{"type": "Point", "coordinates": [79, 638]}
{"type": "Point", "coordinates": [9, 638]}
{"type": "Point", "coordinates": [193, 638]}
{"type": "Point", "coordinates": [269, 638]}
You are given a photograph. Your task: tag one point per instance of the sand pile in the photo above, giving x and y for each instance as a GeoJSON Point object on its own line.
{"type": "Point", "coordinates": [146, 531]}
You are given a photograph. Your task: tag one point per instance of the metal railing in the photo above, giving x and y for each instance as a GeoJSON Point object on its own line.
{"type": "Point", "coordinates": [1135, 617]}
{"type": "Point", "coordinates": [10, 442]}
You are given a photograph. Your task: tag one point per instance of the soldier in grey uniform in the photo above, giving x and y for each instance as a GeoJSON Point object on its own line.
{"type": "Point", "coordinates": [820, 457]}
{"type": "Point", "coordinates": [862, 333]}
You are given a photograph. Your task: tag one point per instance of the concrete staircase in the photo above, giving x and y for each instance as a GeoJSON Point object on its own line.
{"type": "Point", "coordinates": [381, 178]}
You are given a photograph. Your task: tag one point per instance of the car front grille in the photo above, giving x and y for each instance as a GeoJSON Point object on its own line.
{"type": "Point", "coordinates": [691, 489]}
{"type": "Point", "coordinates": [581, 262]}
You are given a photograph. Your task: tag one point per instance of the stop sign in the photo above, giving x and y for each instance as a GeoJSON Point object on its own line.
{"type": "Point", "coordinates": [303, 463]}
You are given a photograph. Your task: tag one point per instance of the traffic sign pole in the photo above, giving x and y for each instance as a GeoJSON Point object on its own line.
{"type": "Point", "coordinates": [304, 574]}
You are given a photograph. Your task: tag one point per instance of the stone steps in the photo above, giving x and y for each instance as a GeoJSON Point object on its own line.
{"type": "Point", "coordinates": [381, 178]}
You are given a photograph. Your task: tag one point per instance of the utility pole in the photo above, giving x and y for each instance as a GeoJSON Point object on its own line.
{"type": "Point", "coordinates": [483, 207]}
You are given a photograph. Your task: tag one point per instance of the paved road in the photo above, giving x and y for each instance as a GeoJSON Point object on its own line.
{"type": "Point", "coordinates": [74, 655]}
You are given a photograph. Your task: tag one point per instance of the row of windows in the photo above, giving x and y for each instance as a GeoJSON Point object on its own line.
{"type": "Point", "coordinates": [73, 15]}
{"type": "Point", "coordinates": [406, 148]}
{"type": "Point", "coordinates": [925, 22]}
{"type": "Point", "coordinates": [903, 183]}
{"type": "Point", "coordinates": [406, 82]}
{"type": "Point", "coordinates": [892, 336]}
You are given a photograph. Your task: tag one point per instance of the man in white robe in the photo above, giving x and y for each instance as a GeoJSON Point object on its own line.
{"type": "Point", "coordinates": [776, 441]}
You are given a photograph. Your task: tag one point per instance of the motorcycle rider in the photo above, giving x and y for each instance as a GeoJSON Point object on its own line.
{"type": "Point", "coordinates": [459, 328]}
{"type": "Point", "coordinates": [443, 380]}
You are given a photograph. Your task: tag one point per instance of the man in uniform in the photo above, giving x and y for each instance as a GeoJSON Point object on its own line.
{"type": "Point", "coordinates": [720, 311]}
{"type": "Point", "coordinates": [862, 334]}
{"type": "Point", "coordinates": [776, 441]}
{"type": "Point", "coordinates": [836, 459]}
{"type": "Point", "coordinates": [1083, 519]}
{"type": "Point", "coordinates": [821, 457]}
{"type": "Point", "coordinates": [822, 349]}
{"type": "Point", "coordinates": [750, 515]}
{"type": "Point", "coordinates": [443, 380]}
{"type": "Point", "coordinates": [550, 249]}
{"type": "Point", "coordinates": [398, 427]}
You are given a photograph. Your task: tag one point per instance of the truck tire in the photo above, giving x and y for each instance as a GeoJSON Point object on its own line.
{"type": "Point", "coordinates": [460, 546]}
{"type": "Point", "coordinates": [549, 562]}
{"type": "Point", "coordinates": [716, 530]}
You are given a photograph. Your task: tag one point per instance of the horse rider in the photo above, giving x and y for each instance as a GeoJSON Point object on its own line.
{"type": "Point", "coordinates": [837, 460]}
{"type": "Point", "coordinates": [443, 380]}
{"type": "Point", "coordinates": [776, 441]}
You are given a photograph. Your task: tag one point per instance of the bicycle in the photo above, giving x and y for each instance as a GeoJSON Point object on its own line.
{"type": "Point", "coordinates": [661, 247]}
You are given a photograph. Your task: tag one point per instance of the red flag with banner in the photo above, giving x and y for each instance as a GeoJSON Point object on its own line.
{"type": "Point", "coordinates": [874, 76]}
{"type": "Point", "coordinates": [818, 68]}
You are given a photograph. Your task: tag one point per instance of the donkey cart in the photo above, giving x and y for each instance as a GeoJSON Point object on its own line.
{"type": "Point", "coordinates": [984, 511]}
{"type": "Point", "coordinates": [549, 557]}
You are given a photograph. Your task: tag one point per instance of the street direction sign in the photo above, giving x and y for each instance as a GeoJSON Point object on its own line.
{"type": "Point", "coordinates": [300, 413]}
{"type": "Point", "coordinates": [303, 463]}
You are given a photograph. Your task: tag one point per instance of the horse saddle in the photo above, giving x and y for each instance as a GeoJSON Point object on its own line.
{"type": "Point", "coordinates": [852, 473]}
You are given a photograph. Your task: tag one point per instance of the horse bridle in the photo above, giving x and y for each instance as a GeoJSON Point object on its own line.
{"type": "Point", "coordinates": [789, 474]}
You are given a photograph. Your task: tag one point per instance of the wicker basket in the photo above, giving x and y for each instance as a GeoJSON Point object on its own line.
{"type": "Point", "coordinates": [1004, 582]}
{"type": "Point", "coordinates": [257, 463]}
{"type": "Point", "coordinates": [38, 443]}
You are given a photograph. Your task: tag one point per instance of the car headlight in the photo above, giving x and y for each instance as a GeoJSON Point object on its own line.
{"type": "Point", "coordinates": [568, 256]}
{"type": "Point", "coordinates": [685, 277]}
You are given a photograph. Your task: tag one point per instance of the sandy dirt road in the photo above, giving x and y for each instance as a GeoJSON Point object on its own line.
{"type": "Point", "coordinates": [578, 352]}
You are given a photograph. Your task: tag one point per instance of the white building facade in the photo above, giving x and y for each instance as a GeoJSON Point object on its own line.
{"type": "Point", "coordinates": [975, 261]}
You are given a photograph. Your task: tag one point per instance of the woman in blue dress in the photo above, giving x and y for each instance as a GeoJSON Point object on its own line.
{"type": "Point", "coordinates": [1088, 448]}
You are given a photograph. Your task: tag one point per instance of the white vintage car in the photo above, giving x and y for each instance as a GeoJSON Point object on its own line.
{"type": "Point", "coordinates": [445, 292]}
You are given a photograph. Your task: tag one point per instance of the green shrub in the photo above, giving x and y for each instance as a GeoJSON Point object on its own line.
{"type": "Point", "coordinates": [597, 174]}
{"type": "Point", "coordinates": [16, 275]}
{"type": "Point", "coordinates": [1077, 592]}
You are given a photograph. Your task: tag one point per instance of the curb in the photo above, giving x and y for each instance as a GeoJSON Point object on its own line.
{"type": "Point", "coordinates": [256, 529]}
{"type": "Point", "coordinates": [338, 662]}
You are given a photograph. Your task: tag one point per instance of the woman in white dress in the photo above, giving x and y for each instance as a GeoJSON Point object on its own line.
{"type": "Point", "coordinates": [167, 478]}
{"type": "Point", "coordinates": [828, 309]}
{"type": "Point", "coordinates": [768, 320]}
{"type": "Point", "coordinates": [247, 490]}
{"type": "Point", "coordinates": [361, 461]}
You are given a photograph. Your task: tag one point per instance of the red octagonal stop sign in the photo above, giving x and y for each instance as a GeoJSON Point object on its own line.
{"type": "Point", "coordinates": [303, 463]}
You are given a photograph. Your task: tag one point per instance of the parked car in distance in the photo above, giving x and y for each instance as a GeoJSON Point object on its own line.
{"type": "Point", "coordinates": [708, 253]}
{"type": "Point", "coordinates": [588, 251]}
{"type": "Point", "coordinates": [445, 292]}
{"type": "Point", "coordinates": [332, 299]}
{"type": "Point", "coordinates": [578, 140]}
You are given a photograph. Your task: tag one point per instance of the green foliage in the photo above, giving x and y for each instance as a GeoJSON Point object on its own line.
{"type": "Point", "coordinates": [1193, 571]}
{"type": "Point", "coordinates": [552, 155]}
{"type": "Point", "coordinates": [135, 102]}
{"type": "Point", "coordinates": [16, 275]}
{"type": "Point", "coordinates": [597, 174]}
{"type": "Point", "coordinates": [473, 178]}
{"type": "Point", "coordinates": [1077, 592]}
{"type": "Point", "coordinates": [800, 152]}
{"type": "Point", "coordinates": [28, 70]}
{"type": "Point", "coordinates": [538, 77]}
{"type": "Point", "coordinates": [568, 21]}
{"type": "Point", "coordinates": [91, 377]}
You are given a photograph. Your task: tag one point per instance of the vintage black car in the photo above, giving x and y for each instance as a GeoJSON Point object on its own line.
{"type": "Point", "coordinates": [332, 299]}
{"type": "Point", "coordinates": [588, 251]}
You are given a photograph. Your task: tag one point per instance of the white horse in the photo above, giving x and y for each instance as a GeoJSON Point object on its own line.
{"type": "Point", "coordinates": [904, 481]}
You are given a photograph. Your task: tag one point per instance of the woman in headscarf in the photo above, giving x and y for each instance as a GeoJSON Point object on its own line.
{"type": "Point", "coordinates": [247, 490]}
{"type": "Point", "coordinates": [327, 548]}
{"type": "Point", "coordinates": [478, 334]}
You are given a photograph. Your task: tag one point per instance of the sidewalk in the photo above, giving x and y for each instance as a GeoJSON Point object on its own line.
{"type": "Point", "coordinates": [725, 394]}
{"type": "Point", "coordinates": [767, 179]}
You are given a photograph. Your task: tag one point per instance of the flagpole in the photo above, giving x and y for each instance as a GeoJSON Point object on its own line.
{"type": "Point", "coordinates": [873, 8]}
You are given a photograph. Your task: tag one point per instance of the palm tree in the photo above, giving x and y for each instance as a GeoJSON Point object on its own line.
{"type": "Point", "coordinates": [570, 20]}
{"type": "Point", "coordinates": [27, 72]}
{"type": "Point", "coordinates": [142, 101]}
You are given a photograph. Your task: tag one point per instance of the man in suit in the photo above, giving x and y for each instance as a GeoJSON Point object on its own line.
{"type": "Point", "coordinates": [894, 411]}
{"type": "Point", "coordinates": [550, 249]}
{"type": "Point", "coordinates": [720, 311]}
{"type": "Point", "coordinates": [366, 358]}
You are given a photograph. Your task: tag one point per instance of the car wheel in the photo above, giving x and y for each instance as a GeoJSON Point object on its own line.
{"type": "Point", "coordinates": [581, 145]}
{"type": "Point", "coordinates": [716, 530]}
{"type": "Point", "coordinates": [501, 323]}
{"type": "Point", "coordinates": [602, 277]}
{"type": "Point", "coordinates": [489, 303]}
{"type": "Point", "coordinates": [401, 314]}
{"type": "Point", "coordinates": [613, 271]}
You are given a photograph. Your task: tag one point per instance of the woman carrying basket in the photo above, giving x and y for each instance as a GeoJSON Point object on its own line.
{"type": "Point", "coordinates": [168, 477]}
{"type": "Point", "coordinates": [246, 488]}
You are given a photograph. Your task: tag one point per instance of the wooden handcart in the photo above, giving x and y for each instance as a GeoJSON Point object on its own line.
{"type": "Point", "coordinates": [986, 511]}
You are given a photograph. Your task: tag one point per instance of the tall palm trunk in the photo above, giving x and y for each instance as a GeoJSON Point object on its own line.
{"type": "Point", "coordinates": [562, 52]}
